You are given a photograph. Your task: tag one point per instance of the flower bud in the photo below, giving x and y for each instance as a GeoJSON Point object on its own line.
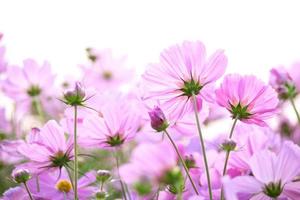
{"type": "Point", "coordinates": [103, 175]}
{"type": "Point", "coordinates": [228, 145]}
{"type": "Point", "coordinates": [76, 96]}
{"type": "Point", "coordinates": [158, 119]}
{"type": "Point", "coordinates": [282, 82]}
{"type": "Point", "coordinates": [190, 161]}
{"type": "Point", "coordinates": [101, 195]}
{"type": "Point", "coordinates": [21, 175]}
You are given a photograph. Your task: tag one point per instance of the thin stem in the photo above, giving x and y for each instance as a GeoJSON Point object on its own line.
{"type": "Point", "coordinates": [39, 110]}
{"type": "Point", "coordinates": [70, 176]}
{"type": "Point", "coordinates": [295, 109]}
{"type": "Point", "coordinates": [37, 181]}
{"type": "Point", "coordinates": [28, 191]}
{"type": "Point", "coordinates": [75, 153]}
{"type": "Point", "coordinates": [202, 147]}
{"type": "Point", "coordinates": [182, 162]}
{"type": "Point", "coordinates": [228, 153]}
{"type": "Point", "coordinates": [179, 195]}
{"type": "Point", "coordinates": [233, 127]}
{"type": "Point", "coordinates": [121, 182]}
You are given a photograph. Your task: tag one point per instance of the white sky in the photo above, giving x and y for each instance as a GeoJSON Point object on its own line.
{"type": "Point", "coordinates": [256, 35]}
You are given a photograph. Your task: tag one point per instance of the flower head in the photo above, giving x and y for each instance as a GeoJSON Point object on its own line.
{"type": "Point", "coordinates": [29, 86]}
{"type": "Point", "coordinates": [3, 62]}
{"type": "Point", "coordinates": [273, 176]}
{"type": "Point", "coordinates": [247, 98]}
{"type": "Point", "coordinates": [116, 126]}
{"type": "Point", "coordinates": [47, 148]}
{"type": "Point", "coordinates": [106, 72]}
{"type": "Point", "coordinates": [21, 175]}
{"type": "Point", "coordinates": [75, 96]}
{"type": "Point", "coordinates": [282, 82]}
{"type": "Point", "coordinates": [184, 71]}
{"type": "Point", "coordinates": [59, 185]}
{"type": "Point", "coordinates": [149, 166]}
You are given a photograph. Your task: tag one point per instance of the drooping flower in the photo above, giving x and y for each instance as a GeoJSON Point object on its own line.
{"type": "Point", "coordinates": [183, 71]}
{"type": "Point", "coordinates": [29, 86]}
{"type": "Point", "coordinates": [247, 98]}
{"type": "Point", "coordinates": [282, 82]}
{"type": "Point", "coordinates": [47, 148]}
{"type": "Point", "coordinates": [59, 186]}
{"type": "Point", "coordinates": [274, 176]}
{"type": "Point", "coordinates": [106, 72]}
{"type": "Point", "coordinates": [116, 125]}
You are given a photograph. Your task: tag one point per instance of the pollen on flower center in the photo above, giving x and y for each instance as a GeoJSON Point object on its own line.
{"type": "Point", "coordinates": [63, 185]}
{"type": "Point", "coordinates": [273, 189]}
{"type": "Point", "coordinates": [191, 87]}
{"type": "Point", "coordinates": [34, 90]}
{"type": "Point", "coordinates": [107, 75]}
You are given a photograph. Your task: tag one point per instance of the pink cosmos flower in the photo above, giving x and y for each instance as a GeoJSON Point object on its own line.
{"type": "Point", "coordinates": [3, 62]}
{"type": "Point", "coordinates": [47, 148]}
{"type": "Point", "coordinates": [9, 153]}
{"type": "Point", "coordinates": [5, 124]}
{"type": "Point", "coordinates": [106, 72]}
{"type": "Point", "coordinates": [282, 82]}
{"type": "Point", "coordinates": [116, 126]}
{"type": "Point", "coordinates": [274, 176]}
{"type": "Point", "coordinates": [294, 72]}
{"type": "Point", "coordinates": [29, 84]}
{"type": "Point", "coordinates": [250, 139]}
{"type": "Point", "coordinates": [148, 164]}
{"type": "Point", "coordinates": [183, 71]}
{"type": "Point", "coordinates": [16, 193]}
{"type": "Point", "coordinates": [247, 98]}
{"type": "Point", "coordinates": [58, 185]}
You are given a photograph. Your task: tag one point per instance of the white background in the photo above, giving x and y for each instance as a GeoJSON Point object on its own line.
{"type": "Point", "coordinates": [256, 35]}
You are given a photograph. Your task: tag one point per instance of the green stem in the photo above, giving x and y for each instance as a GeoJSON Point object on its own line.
{"type": "Point", "coordinates": [295, 109]}
{"type": "Point", "coordinates": [39, 110]}
{"type": "Point", "coordinates": [28, 191]}
{"type": "Point", "coordinates": [70, 176]}
{"type": "Point", "coordinates": [228, 153]}
{"type": "Point", "coordinates": [75, 154]}
{"type": "Point", "coordinates": [37, 181]}
{"type": "Point", "coordinates": [118, 171]}
{"type": "Point", "coordinates": [202, 147]}
{"type": "Point", "coordinates": [182, 162]}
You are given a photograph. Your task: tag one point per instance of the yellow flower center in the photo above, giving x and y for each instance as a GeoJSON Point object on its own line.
{"type": "Point", "coordinates": [64, 185]}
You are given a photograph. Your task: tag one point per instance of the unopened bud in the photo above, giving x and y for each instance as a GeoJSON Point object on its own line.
{"type": "Point", "coordinates": [158, 119]}
{"type": "Point", "coordinates": [76, 96]}
{"type": "Point", "coordinates": [21, 175]}
{"type": "Point", "coordinates": [228, 145]}
{"type": "Point", "coordinates": [103, 175]}
{"type": "Point", "coordinates": [282, 82]}
{"type": "Point", "coordinates": [101, 195]}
